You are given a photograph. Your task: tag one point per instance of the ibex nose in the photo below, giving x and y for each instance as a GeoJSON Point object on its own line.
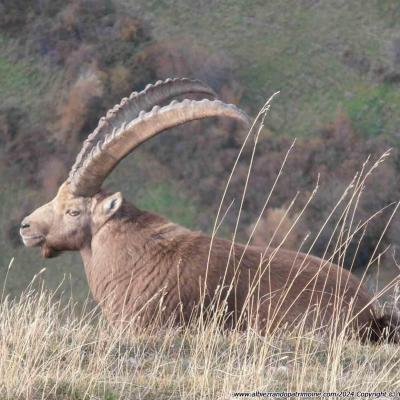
{"type": "Point", "coordinates": [24, 225]}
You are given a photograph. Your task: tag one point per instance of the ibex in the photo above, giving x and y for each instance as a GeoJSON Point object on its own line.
{"type": "Point", "coordinates": [135, 259]}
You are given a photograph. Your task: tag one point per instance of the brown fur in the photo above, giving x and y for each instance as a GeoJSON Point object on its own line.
{"type": "Point", "coordinates": [133, 259]}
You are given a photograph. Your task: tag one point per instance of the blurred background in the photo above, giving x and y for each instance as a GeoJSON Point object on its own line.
{"type": "Point", "coordinates": [335, 62]}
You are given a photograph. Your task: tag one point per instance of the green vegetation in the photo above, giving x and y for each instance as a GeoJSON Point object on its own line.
{"type": "Point", "coordinates": [168, 200]}
{"type": "Point", "coordinates": [373, 109]}
{"type": "Point", "coordinates": [13, 78]}
{"type": "Point", "coordinates": [154, 189]}
{"type": "Point", "coordinates": [366, 110]}
{"type": "Point", "coordinates": [26, 83]}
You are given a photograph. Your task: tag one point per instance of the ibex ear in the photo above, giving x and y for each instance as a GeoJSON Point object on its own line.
{"type": "Point", "coordinates": [110, 205]}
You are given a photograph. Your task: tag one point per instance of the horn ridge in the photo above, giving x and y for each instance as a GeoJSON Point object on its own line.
{"type": "Point", "coordinates": [117, 145]}
{"type": "Point", "coordinates": [129, 108]}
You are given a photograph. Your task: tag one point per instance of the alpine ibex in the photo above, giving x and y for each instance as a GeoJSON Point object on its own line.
{"type": "Point", "coordinates": [132, 258]}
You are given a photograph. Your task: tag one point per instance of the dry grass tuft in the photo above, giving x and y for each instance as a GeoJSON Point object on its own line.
{"type": "Point", "coordinates": [48, 352]}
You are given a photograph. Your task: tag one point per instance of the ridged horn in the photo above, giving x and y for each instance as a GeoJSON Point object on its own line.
{"type": "Point", "coordinates": [105, 156]}
{"type": "Point", "coordinates": [130, 107]}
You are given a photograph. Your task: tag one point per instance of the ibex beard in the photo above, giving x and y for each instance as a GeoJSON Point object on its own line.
{"type": "Point", "coordinates": [132, 257]}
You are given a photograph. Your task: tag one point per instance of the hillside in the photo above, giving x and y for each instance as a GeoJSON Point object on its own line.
{"type": "Point", "coordinates": [322, 55]}
{"type": "Point", "coordinates": [336, 63]}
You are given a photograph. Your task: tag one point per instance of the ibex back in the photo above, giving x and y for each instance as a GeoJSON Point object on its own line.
{"type": "Point", "coordinates": [135, 260]}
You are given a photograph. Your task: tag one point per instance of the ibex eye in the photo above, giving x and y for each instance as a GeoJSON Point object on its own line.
{"type": "Point", "coordinates": [73, 213]}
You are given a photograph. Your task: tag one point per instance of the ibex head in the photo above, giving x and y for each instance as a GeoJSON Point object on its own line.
{"type": "Point", "coordinates": [69, 221]}
{"type": "Point", "coordinates": [81, 207]}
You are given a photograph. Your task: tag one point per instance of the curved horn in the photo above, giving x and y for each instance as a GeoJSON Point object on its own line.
{"type": "Point", "coordinates": [104, 157]}
{"type": "Point", "coordinates": [130, 107]}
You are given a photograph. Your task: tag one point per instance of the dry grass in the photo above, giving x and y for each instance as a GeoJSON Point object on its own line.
{"type": "Point", "coordinates": [48, 352]}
